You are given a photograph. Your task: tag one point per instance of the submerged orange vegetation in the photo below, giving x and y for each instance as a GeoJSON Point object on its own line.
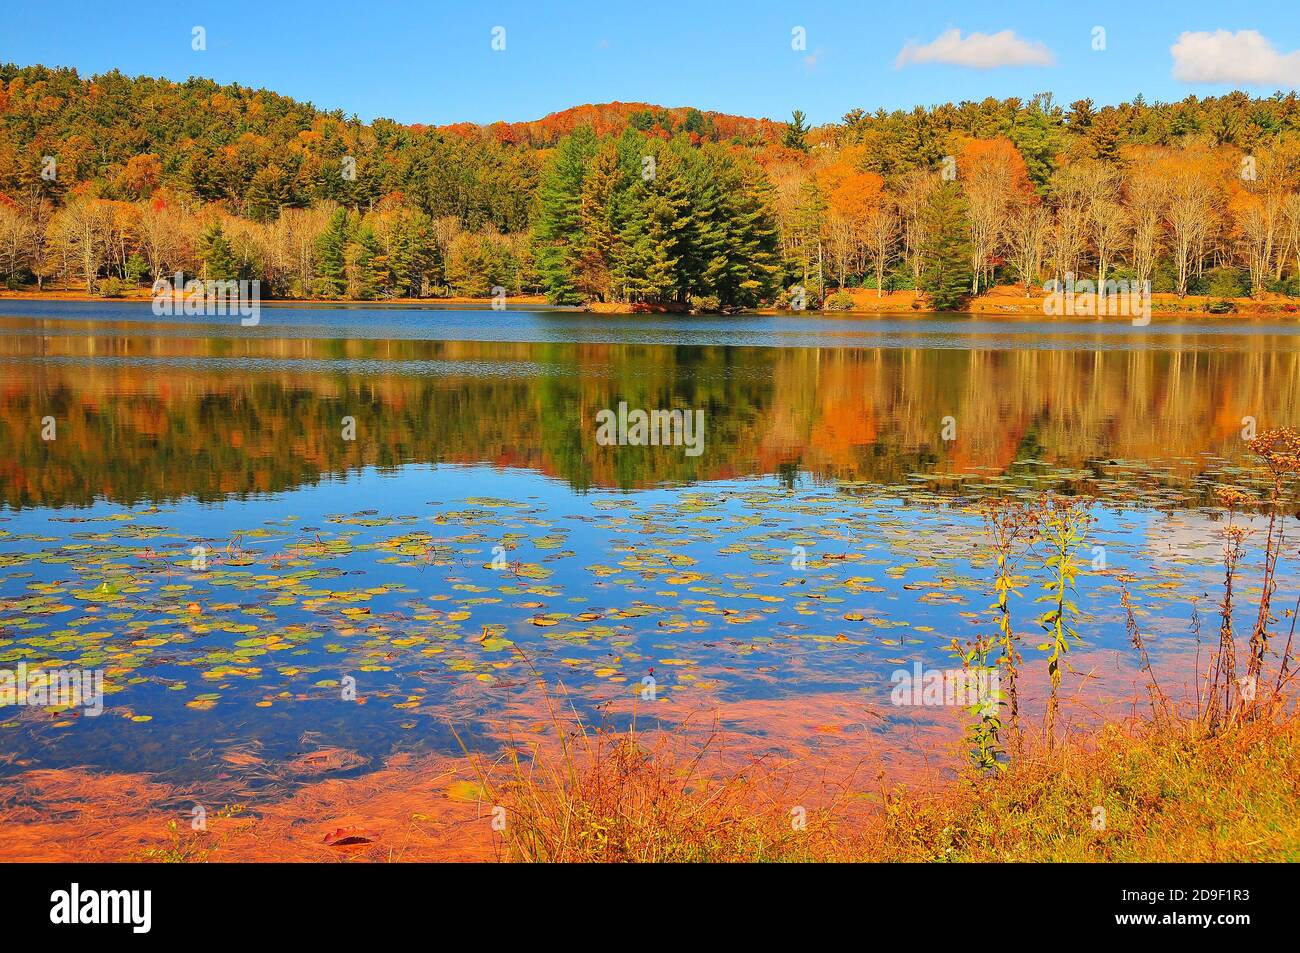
{"type": "Point", "coordinates": [396, 813]}
{"type": "Point", "coordinates": [1119, 793]}
{"type": "Point", "coordinates": [752, 762]}
{"type": "Point", "coordinates": [810, 748]}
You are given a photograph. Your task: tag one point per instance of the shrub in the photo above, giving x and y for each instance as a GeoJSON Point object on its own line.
{"type": "Point", "coordinates": [109, 288]}
{"type": "Point", "coordinates": [704, 304]}
{"type": "Point", "coordinates": [1225, 283]}
{"type": "Point", "coordinates": [839, 301]}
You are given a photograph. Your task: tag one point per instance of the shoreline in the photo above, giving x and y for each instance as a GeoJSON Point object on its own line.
{"type": "Point", "coordinates": [1001, 301]}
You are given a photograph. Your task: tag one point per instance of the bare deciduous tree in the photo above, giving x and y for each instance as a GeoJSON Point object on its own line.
{"type": "Point", "coordinates": [1025, 234]}
{"type": "Point", "coordinates": [79, 234]}
{"type": "Point", "coordinates": [881, 236]}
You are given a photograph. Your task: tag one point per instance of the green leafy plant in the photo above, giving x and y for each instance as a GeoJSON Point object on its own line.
{"type": "Point", "coordinates": [1064, 528]}
{"type": "Point", "coordinates": [984, 733]}
{"type": "Point", "coordinates": [1012, 525]}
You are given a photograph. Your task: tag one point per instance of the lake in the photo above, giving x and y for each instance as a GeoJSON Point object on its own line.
{"type": "Point", "coordinates": [365, 528]}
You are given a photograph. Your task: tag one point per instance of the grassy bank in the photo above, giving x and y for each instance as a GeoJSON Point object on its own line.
{"type": "Point", "coordinates": [1167, 794]}
{"type": "Point", "coordinates": [1124, 793]}
{"type": "Point", "coordinates": [1011, 301]}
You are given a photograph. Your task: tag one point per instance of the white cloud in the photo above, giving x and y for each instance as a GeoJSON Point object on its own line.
{"type": "Point", "coordinates": [1246, 56]}
{"type": "Point", "coordinates": [977, 51]}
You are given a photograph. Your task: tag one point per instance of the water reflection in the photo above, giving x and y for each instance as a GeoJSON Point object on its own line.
{"type": "Point", "coordinates": [143, 419]}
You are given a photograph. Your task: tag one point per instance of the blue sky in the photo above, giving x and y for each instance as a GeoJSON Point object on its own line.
{"type": "Point", "coordinates": [434, 62]}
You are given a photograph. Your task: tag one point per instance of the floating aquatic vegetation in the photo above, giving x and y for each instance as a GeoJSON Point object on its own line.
{"type": "Point", "coordinates": [701, 589]}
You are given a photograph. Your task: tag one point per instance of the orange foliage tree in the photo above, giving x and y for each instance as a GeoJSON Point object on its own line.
{"type": "Point", "coordinates": [993, 176]}
{"type": "Point", "coordinates": [853, 198]}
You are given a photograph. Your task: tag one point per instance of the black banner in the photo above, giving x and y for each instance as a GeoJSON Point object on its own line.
{"type": "Point", "coordinates": [148, 903]}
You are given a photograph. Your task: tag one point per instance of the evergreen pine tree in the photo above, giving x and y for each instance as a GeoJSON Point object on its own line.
{"type": "Point", "coordinates": [754, 247]}
{"type": "Point", "coordinates": [216, 255]}
{"type": "Point", "coordinates": [655, 213]}
{"type": "Point", "coordinates": [559, 216]}
{"type": "Point", "coordinates": [268, 193]}
{"type": "Point", "coordinates": [362, 264]}
{"type": "Point", "coordinates": [705, 252]}
{"type": "Point", "coordinates": [598, 228]}
{"type": "Point", "coordinates": [1035, 133]}
{"type": "Point", "coordinates": [946, 276]}
{"type": "Point", "coordinates": [809, 226]}
{"type": "Point", "coordinates": [638, 219]}
{"type": "Point", "coordinates": [399, 263]}
{"type": "Point", "coordinates": [415, 260]}
{"type": "Point", "coordinates": [331, 261]}
{"type": "Point", "coordinates": [796, 132]}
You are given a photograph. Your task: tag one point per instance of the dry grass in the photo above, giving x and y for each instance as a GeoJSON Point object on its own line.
{"type": "Point", "coordinates": [1173, 794]}
{"type": "Point", "coordinates": [616, 800]}
{"type": "Point", "coordinates": [1169, 792]}
{"type": "Point", "coordinates": [589, 795]}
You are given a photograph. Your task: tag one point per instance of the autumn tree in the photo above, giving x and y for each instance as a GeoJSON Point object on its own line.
{"type": "Point", "coordinates": [1145, 194]}
{"type": "Point", "coordinates": [1071, 189]}
{"type": "Point", "coordinates": [1107, 220]}
{"type": "Point", "coordinates": [992, 175]}
{"type": "Point", "coordinates": [1258, 203]}
{"type": "Point", "coordinates": [296, 236]}
{"type": "Point", "coordinates": [79, 236]}
{"type": "Point", "coordinates": [853, 197]}
{"type": "Point", "coordinates": [164, 237]}
{"type": "Point", "coordinates": [1024, 233]}
{"type": "Point", "coordinates": [1291, 212]}
{"type": "Point", "coordinates": [15, 229]}
{"type": "Point", "coordinates": [881, 230]}
{"type": "Point", "coordinates": [38, 210]}
{"type": "Point", "coordinates": [1190, 203]}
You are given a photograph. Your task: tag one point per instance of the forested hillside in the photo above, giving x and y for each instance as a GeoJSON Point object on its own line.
{"type": "Point", "coordinates": [109, 182]}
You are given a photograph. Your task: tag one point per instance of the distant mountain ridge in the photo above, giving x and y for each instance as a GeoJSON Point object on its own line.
{"type": "Point", "coordinates": [614, 117]}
